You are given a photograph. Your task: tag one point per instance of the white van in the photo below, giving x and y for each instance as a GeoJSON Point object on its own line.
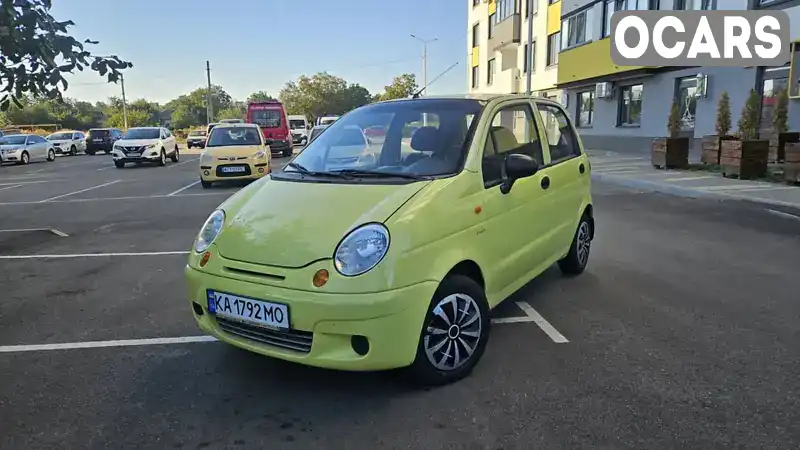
{"type": "Point", "coordinates": [326, 120]}
{"type": "Point", "coordinates": [298, 126]}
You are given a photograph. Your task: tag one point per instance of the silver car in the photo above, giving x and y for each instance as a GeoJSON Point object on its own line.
{"type": "Point", "coordinates": [24, 148]}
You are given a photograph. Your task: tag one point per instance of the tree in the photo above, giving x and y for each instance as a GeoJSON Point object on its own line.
{"type": "Point", "coordinates": [322, 94]}
{"type": "Point", "coordinates": [36, 52]}
{"type": "Point", "coordinates": [781, 112]}
{"type": "Point", "coordinates": [674, 125]}
{"type": "Point", "coordinates": [748, 122]}
{"type": "Point", "coordinates": [189, 110]}
{"type": "Point", "coordinates": [724, 115]}
{"type": "Point", "coordinates": [260, 96]}
{"type": "Point", "coordinates": [136, 118]}
{"type": "Point", "coordinates": [402, 86]}
{"type": "Point", "coordinates": [233, 112]}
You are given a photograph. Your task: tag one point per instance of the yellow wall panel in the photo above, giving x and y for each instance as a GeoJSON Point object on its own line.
{"type": "Point", "coordinates": [554, 18]}
{"type": "Point", "coordinates": [588, 61]}
{"type": "Point", "coordinates": [476, 56]}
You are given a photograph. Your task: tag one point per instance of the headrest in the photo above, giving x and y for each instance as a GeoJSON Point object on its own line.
{"type": "Point", "coordinates": [504, 139]}
{"type": "Point", "coordinates": [427, 139]}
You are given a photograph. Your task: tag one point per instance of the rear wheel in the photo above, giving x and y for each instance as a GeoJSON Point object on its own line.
{"type": "Point", "coordinates": [90, 152]}
{"type": "Point", "coordinates": [577, 258]}
{"type": "Point", "coordinates": [287, 152]}
{"type": "Point", "coordinates": [175, 156]}
{"type": "Point", "coordinates": [51, 155]}
{"type": "Point", "coordinates": [108, 151]}
{"type": "Point", "coordinates": [454, 333]}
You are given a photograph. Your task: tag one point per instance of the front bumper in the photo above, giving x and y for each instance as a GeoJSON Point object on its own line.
{"type": "Point", "coordinates": [197, 142]}
{"type": "Point", "coordinates": [149, 155]}
{"type": "Point", "coordinates": [254, 169]}
{"type": "Point", "coordinates": [12, 156]}
{"type": "Point", "coordinates": [390, 321]}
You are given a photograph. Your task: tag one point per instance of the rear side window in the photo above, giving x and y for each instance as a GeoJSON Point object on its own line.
{"type": "Point", "coordinates": [560, 136]}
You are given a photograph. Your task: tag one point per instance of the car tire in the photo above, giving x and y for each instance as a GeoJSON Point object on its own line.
{"type": "Point", "coordinates": [90, 152]}
{"type": "Point", "coordinates": [578, 257]}
{"type": "Point", "coordinates": [288, 152]}
{"type": "Point", "coordinates": [73, 151]}
{"type": "Point", "coordinates": [108, 152]}
{"type": "Point", "coordinates": [457, 296]}
{"type": "Point", "coordinates": [175, 156]}
{"type": "Point", "coordinates": [162, 160]}
{"type": "Point", "coordinates": [303, 142]}
{"type": "Point", "coordinates": [119, 164]}
{"type": "Point", "coordinates": [188, 145]}
{"type": "Point", "coordinates": [25, 158]}
{"type": "Point", "coordinates": [205, 184]}
{"type": "Point", "coordinates": [51, 155]}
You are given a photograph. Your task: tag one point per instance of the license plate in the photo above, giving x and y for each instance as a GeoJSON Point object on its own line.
{"type": "Point", "coordinates": [134, 154]}
{"type": "Point", "coordinates": [233, 169]}
{"type": "Point", "coordinates": [97, 140]}
{"type": "Point", "coordinates": [258, 312]}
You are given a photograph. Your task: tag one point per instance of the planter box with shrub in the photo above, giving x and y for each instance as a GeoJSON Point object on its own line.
{"type": "Point", "coordinates": [791, 165]}
{"type": "Point", "coordinates": [712, 144]}
{"type": "Point", "coordinates": [671, 152]}
{"type": "Point", "coordinates": [746, 156]}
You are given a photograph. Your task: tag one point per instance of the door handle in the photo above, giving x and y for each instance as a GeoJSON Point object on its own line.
{"type": "Point", "coordinates": [545, 182]}
{"type": "Point", "coordinates": [582, 168]}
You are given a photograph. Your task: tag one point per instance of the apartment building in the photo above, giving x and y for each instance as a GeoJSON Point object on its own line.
{"type": "Point", "coordinates": [628, 106]}
{"type": "Point", "coordinates": [498, 45]}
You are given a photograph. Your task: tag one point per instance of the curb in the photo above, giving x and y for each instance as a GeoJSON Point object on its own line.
{"type": "Point", "coordinates": [684, 192]}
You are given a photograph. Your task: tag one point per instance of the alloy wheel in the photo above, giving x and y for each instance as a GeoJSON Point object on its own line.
{"type": "Point", "coordinates": [452, 335]}
{"type": "Point", "coordinates": [584, 243]}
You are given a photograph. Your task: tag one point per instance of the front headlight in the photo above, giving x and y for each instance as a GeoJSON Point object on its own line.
{"type": "Point", "coordinates": [361, 250]}
{"type": "Point", "coordinates": [205, 158]}
{"type": "Point", "coordinates": [260, 154]}
{"type": "Point", "coordinates": [151, 146]}
{"type": "Point", "coordinates": [210, 231]}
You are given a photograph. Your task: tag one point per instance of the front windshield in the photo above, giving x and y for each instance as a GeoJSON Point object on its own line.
{"type": "Point", "coordinates": [225, 136]}
{"type": "Point", "coordinates": [297, 124]}
{"type": "Point", "coordinates": [59, 136]}
{"type": "Point", "coordinates": [422, 137]}
{"type": "Point", "coordinates": [13, 140]}
{"type": "Point", "coordinates": [197, 133]}
{"type": "Point", "coordinates": [142, 133]}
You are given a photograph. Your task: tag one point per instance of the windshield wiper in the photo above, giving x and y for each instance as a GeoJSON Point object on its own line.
{"type": "Point", "coordinates": [368, 173]}
{"type": "Point", "coordinates": [303, 171]}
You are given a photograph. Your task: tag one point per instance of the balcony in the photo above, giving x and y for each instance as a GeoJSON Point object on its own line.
{"type": "Point", "coordinates": [588, 61]}
{"type": "Point", "coordinates": [506, 32]}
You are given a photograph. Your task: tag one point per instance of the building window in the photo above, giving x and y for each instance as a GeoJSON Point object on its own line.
{"type": "Point", "coordinates": [476, 3]}
{"type": "Point", "coordinates": [577, 28]}
{"type": "Point", "coordinates": [492, 67]}
{"type": "Point", "coordinates": [490, 30]}
{"type": "Point", "coordinates": [611, 6]}
{"type": "Point", "coordinates": [475, 34]}
{"type": "Point", "coordinates": [630, 105]}
{"type": "Point", "coordinates": [699, 5]}
{"type": "Point", "coordinates": [585, 112]}
{"type": "Point", "coordinates": [552, 48]}
{"type": "Point", "coordinates": [775, 79]}
{"type": "Point", "coordinates": [525, 57]}
{"type": "Point", "coordinates": [475, 77]}
{"type": "Point", "coordinates": [687, 101]}
{"type": "Point", "coordinates": [505, 9]}
{"type": "Point", "coordinates": [531, 7]}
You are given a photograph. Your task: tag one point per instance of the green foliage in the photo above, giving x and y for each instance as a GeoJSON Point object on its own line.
{"type": "Point", "coordinates": [190, 110]}
{"type": "Point", "coordinates": [780, 115]}
{"type": "Point", "coordinates": [674, 125]}
{"type": "Point", "coordinates": [260, 96]}
{"type": "Point", "coordinates": [403, 86]}
{"type": "Point", "coordinates": [724, 115]}
{"type": "Point", "coordinates": [748, 122]}
{"type": "Point", "coordinates": [232, 112]}
{"type": "Point", "coordinates": [36, 52]}
{"type": "Point", "coordinates": [322, 94]}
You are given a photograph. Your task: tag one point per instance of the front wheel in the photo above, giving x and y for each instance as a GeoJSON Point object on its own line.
{"type": "Point", "coordinates": [162, 160]}
{"type": "Point", "coordinates": [51, 155]}
{"type": "Point", "coordinates": [119, 164]}
{"type": "Point", "coordinates": [25, 158]}
{"type": "Point", "coordinates": [175, 156]}
{"type": "Point", "coordinates": [577, 258]}
{"type": "Point", "coordinates": [73, 151]}
{"type": "Point", "coordinates": [205, 184]}
{"type": "Point", "coordinates": [454, 333]}
{"type": "Point", "coordinates": [288, 152]}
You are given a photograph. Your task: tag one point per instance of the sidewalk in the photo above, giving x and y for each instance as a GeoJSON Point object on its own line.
{"type": "Point", "coordinates": [635, 171]}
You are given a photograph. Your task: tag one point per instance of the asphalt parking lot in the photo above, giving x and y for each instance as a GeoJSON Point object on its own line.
{"type": "Point", "coordinates": [682, 333]}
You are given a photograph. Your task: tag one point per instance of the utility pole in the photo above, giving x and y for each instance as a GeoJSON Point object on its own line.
{"type": "Point", "coordinates": [424, 61]}
{"type": "Point", "coordinates": [124, 102]}
{"type": "Point", "coordinates": [529, 53]}
{"type": "Point", "coordinates": [209, 107]}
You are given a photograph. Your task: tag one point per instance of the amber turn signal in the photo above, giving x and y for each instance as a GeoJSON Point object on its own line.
{"type": "Point", "coordinates": [320, 278]}
{"type": "Point", "coordinates": [204, 259]}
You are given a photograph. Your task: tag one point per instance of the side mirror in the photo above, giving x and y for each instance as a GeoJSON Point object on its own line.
{"type": "Point", "coordinates": [268, 141]}
{"type": "Point", "coordinates": [517, 165]}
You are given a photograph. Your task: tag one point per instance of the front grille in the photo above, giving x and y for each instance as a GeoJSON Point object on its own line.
{"type": "Point", "coordinates": [299, 341]}
{"type": "Point", "coordinates": [220, 173]}
{"type": "Point", "coordinates": [127, 150]}
{"type": "Point", "coordinates": [231, 158]}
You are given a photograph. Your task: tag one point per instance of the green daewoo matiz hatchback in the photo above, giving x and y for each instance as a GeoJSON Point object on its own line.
{"type": "Point", "coordinates": [367, 254]}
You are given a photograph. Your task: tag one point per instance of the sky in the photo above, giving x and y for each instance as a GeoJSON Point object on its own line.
{"type": "Point", "coordinates": [255, 45]}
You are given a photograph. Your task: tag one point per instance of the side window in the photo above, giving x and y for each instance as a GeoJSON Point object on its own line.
{"type": "Point", "coordinates": [560, 135]}
{"type": "Point", "coordinates": [513, 130]}
{"type": "Point", "coordinates": [167, 132]}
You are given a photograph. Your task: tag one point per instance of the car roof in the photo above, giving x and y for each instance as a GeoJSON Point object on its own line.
{"type": "Point", "coordinates": [236, 125]}
{"type": "Point", "coordinates": [479, 97]}
{"type": "Point", "coordinates": [20, 134]}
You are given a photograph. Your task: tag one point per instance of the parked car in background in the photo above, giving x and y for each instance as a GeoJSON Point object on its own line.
{"type": "Point", "coordinates": [145, 145]}
{"type": "Point", "coordinates": [326, 120]}
{"type": "Point", "coordinates": [315, 132]}
{"type": "Point", "coordinates": [24, 148]}
{"type": "Point", "coordinates": [403, 273]}
{"type": "Point", "coordinates": [271, 117]}
{"type": "Point", "coordinates": [102, 139]}
{"type": "Point", "coordinates": [299, 127]}
{"type": "Point", "coordinates": [376, 134]}
{"type": "Point", "coordinates": [196, 138]}
{"type": "Point", "coordinates": [231, 121]}
{"type": "Point", "coordinates": [68, 142]}
{"type": "Point", "coordinates": [235, 151]}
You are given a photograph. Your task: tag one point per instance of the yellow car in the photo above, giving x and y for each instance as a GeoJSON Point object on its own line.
{"type": "Point", "coordinates": [397, 263]}
{"type": "Point", "coordinates": [234, 151]}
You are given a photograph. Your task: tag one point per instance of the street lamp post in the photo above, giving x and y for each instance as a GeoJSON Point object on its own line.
{"type": "Point", "coordinates": [425, 43]}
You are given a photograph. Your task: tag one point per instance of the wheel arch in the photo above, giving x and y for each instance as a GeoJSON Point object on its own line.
{"type": "Point", "coordinates": [588, 211]}
{"type": "Point", "coordinates": [469, 269]}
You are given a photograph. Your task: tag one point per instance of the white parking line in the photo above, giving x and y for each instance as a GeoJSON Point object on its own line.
{"type": "Point", "coordinates": [101, 199]}
{"type": "Point", "coordinates": [783, 214]}
{"type": "Point", "coordinates": [183, 188]}
{"type": "Point", "coordinates": [182, 162]}
{"type": "Point", "coordinates": [22, 230]}
{"type": "Point", "coordinates": [537, 318]}
{"type": "Point", "coordinates": [82, 190]}
{"type": "Point", "coordinates": [100, 344]}
{"type": "Point", "coordinates": [106, 168]}
{"type": "Point", "coordinates": [92, 255]}
{"type": "Point", "coordinates": [743, 187]}
{"type": "Point", "coordinates": [23, 182]}
{"type": "Point", "coordinates": [10, 187]}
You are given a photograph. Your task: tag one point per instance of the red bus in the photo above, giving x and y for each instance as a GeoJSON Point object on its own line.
{"type": "Point", "coordinates": [271, 117]}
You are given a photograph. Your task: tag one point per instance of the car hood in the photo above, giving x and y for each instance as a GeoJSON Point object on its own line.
{"type": "Point", "coordinates": [237, 151]}
{"type": "Point", "coordinates": [292, 224]}
{"type": "Point", "coordinates": [136, 142]}
{"type": "Point", "coordinates": [10, 148]}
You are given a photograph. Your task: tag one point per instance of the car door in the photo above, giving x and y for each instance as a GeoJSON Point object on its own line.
{"type": "Point", "coordinates": [515, 226]}
{"type": "Point", "coordinates": [37, 148]}
{"type": "Point", "coordinates": [568, 171]}
{"type": "Point", "coordinates": [171, 145]}
{"type": "Point", "coordinates": [79, 142]}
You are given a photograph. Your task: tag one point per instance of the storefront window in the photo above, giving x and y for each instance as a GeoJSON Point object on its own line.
{"type": "Point", "coordinates": [775, 79]}
{"type": "Point", "coordinates": [630, 105]}
{"type": "Point", "coordinates": [687, 101]}
{"type": "Point", "coordinates": [585, 108]}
